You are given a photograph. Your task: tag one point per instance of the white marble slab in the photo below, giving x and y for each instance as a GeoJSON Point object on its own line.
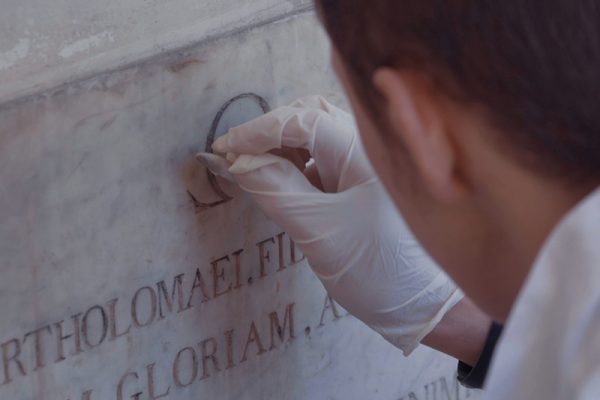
{"type": "Point", "coordinates": [44, 44]}
{"type": "Point", "coordinates": [124, 275]}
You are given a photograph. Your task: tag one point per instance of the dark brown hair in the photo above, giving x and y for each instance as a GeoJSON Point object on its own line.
{"type": "Point", "coordinates": [533, 64]}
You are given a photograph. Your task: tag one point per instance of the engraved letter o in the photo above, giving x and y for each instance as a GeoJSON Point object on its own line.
{"type": "Point", "coordinates": [134, 307]}
{"type": "Point", "coordinates": [177, 367]}
{"type": "Point", "coordinates": [85, 329]}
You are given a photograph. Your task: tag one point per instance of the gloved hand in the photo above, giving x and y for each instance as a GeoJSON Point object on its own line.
{"type": "Point", "coordinates": [352, 235]}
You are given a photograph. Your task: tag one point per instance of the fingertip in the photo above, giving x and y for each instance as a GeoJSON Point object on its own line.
{"type": "Point", "coordinates": [216, 164]}
{"type": "Point", "coordinates": [231, 157]}
{"type": "Point", "coordinates": [201, 157]}
{"type": "Point", "coordinates": [221, 145]}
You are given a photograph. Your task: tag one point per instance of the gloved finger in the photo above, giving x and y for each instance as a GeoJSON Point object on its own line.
{"type": "Point", "coordinates": [216, 164]}
{"type": "Point", "coordinates": [284, 126]}
{"type": "Point", "coordinates": [269, 174]}
{"type": "Point", "coordinates": [320, 103]}
{"type": "Point", "coordinates": [293, 126]}
{"type": "Point", "coordinates": [326, 131]}
{"type": "Point", "coordinates": [286, 195]}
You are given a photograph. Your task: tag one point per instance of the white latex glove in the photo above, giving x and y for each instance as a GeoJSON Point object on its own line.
{"type": "Point", "coordinates": [354, 238]}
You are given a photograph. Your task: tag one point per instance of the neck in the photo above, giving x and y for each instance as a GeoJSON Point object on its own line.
{"type": "Point", "coordinates": [524, 209]}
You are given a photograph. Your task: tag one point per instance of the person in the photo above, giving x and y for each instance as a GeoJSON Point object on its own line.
{"type": "Point", "coordinates": [476, 136]}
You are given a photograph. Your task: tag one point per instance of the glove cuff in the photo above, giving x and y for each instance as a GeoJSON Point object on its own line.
{"type": "Point", "coordinates": [452, 301]}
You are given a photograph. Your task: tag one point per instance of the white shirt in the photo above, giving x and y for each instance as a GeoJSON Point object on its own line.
{"type": "Point", "coordinates": [550, 348]}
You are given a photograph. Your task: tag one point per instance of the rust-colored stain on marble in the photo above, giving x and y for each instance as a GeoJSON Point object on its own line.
{"type": "Point", "coordinates": [181, 65]}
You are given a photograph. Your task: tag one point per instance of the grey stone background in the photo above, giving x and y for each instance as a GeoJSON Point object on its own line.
{"type": "Point", "coordinates": [116, 282]}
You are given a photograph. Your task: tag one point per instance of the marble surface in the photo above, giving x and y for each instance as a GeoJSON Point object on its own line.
{"type": "Point", "coordinates": [44, 44]}
{"type": "Point", "coordinates": [128, 274]}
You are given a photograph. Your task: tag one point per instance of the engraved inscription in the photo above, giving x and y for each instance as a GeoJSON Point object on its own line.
{"type": "Point", "coordinates": [440, 389]}
{"type": "Point", "coordinates": [198, 361]}
{"type": "Point", "coordinates": [105, 322]}
{"type": "Point", "coordinates": [194, 363]}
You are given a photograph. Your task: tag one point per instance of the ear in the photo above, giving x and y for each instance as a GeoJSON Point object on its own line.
{"type": "Point", "coordinates": [417, 120]}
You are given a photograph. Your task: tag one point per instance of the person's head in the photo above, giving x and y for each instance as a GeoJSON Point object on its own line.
{"type": "Point", "coordinates": [480, 116]}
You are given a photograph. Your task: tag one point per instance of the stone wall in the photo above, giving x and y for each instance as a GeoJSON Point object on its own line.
{"type": "Point", "coordinates": [128, 271]}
